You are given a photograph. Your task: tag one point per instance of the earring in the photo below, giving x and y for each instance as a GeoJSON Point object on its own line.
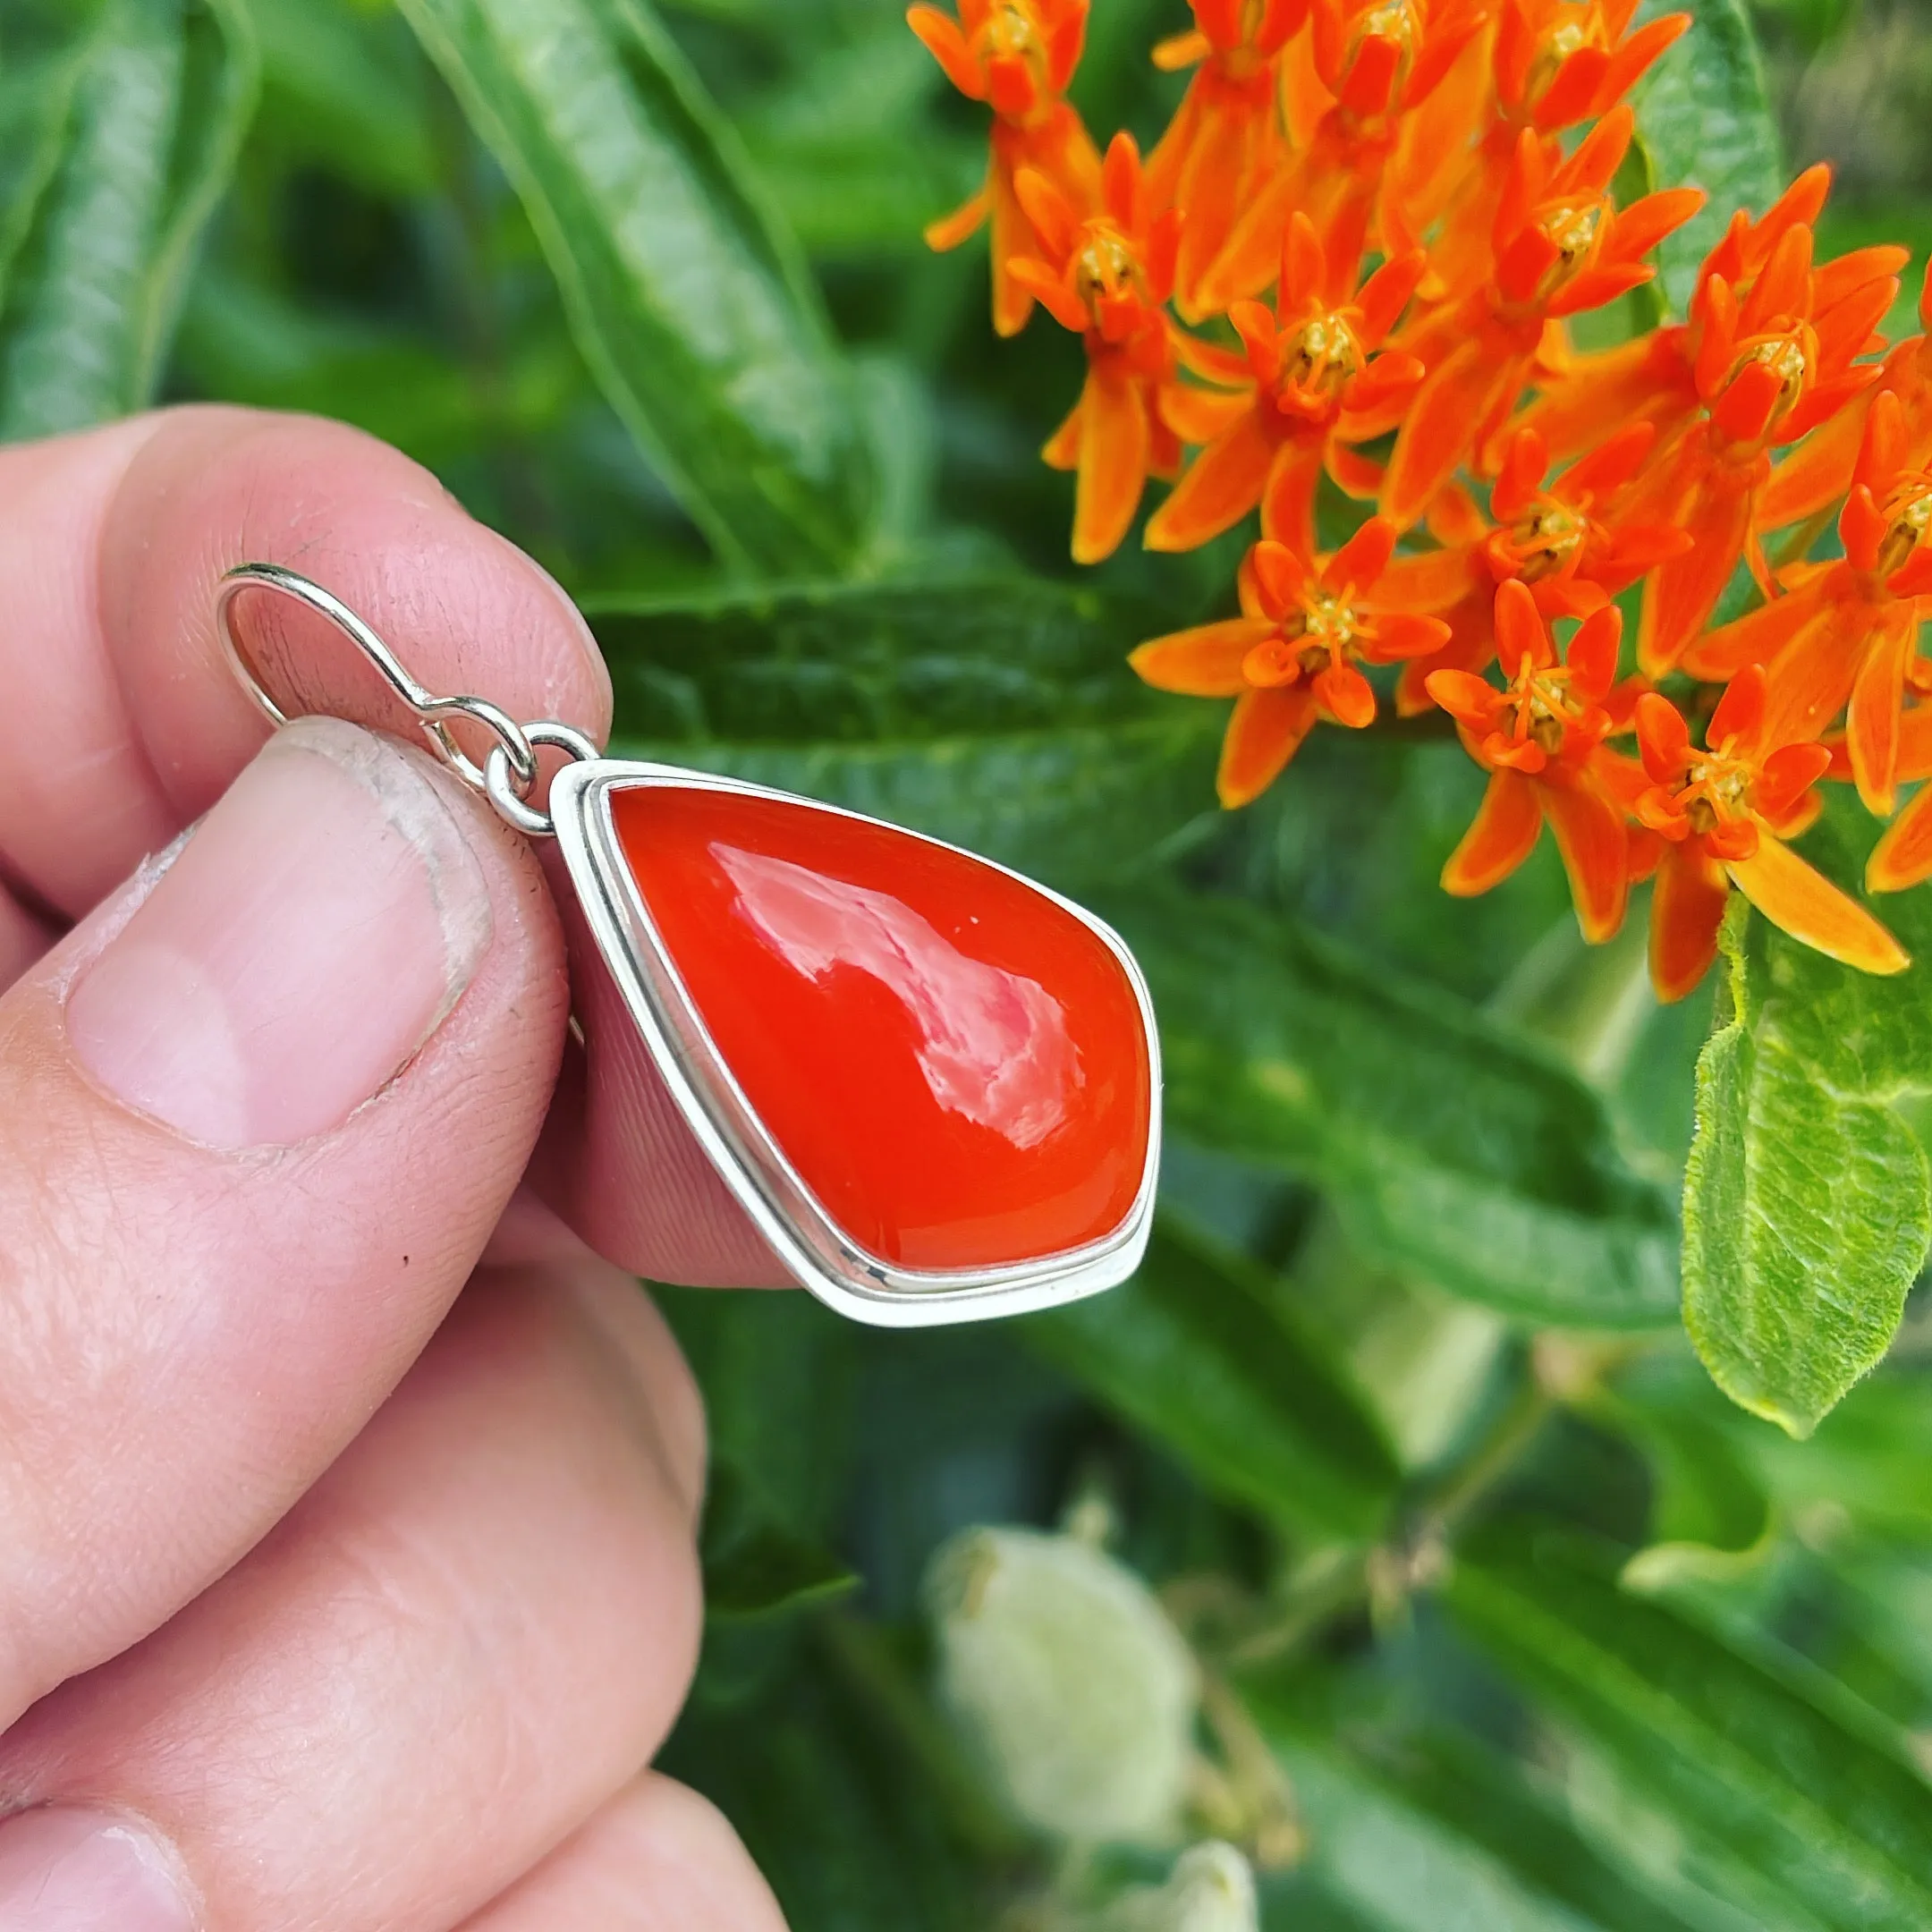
{"type": "Point", "coordinates": [932, 1084]}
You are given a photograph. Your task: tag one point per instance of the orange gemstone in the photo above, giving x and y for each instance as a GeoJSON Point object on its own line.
{"type": "Point", "coordinates": [955, 1065]}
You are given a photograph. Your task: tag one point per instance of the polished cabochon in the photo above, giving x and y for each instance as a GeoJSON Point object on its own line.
{"type": "Point", "coordinates": [932, 1084]}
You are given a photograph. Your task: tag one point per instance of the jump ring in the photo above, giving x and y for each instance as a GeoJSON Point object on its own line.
{"type": "Point", "coordinates": [499, 779]}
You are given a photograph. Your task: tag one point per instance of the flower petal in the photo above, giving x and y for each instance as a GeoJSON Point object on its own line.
{"type": "Point", "coordinates": [1817, 471]}
{"type": "Point", "coordinates": [1448, 411]}
{"type": "Point", "coordinates": [1202, 662]}
{"type": "Point", "coordinates": [965, 221]}
{"type": "Point", "coordinates": [1401, 634]}
{"type": "Point", "coordinates": [1288, 501]}
{"type": "Point", "coordinates": [1758, 637]}
{"type": "Point", "coordinates": [1740, 710]}
{"type": "Point", "coordinates": [1346, 696]}
{"type": "Point", "coordinates": [1663, 737]}
{"type": "Point", "coordinates": [1784, 779]}
{"type": "Point", "coordinates": [1363, 558]}
{"type": "Point", "coordinates": [1592, 653]}
{"type": "Point", "coordinates": [1872, 716]}
{"type": "Point", "coordinates": [1279, 575]}
{"type": "Point", "coordinates": [1502, 835]}
{"type": "Point", "coordinates": [1805, 903]}
{"type": "Point", "coordinates": [1266, 731]}
{"type": "Point", "coordinates": [1903, 856]}
{"type": "Point", "coordinates": [1682, 593]}
{"type": "Point", "coordinates": [1595, 854]}
{"type": "Point", "coordinates": [1520, 634]}
{"type": "Point", "coordinates": [947, 46]}
{"type": "Point", "coordinates": [1525, 458]}
{"type": "Point", "coordinates": [1218, 488]}
{"type": "Point", "coordinates": [1468, 699]}
{"type": "Point", "coordinates": [1113, 465]}
{"type": "Point", "coordinates": [1687, 907]}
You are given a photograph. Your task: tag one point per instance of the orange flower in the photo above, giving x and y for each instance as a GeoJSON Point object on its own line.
{"type": "Point", "coordinates": [1372, 61]}
{"type": "Point", "coordinates": [1767, 370]}
{"type": "Point", "coordinates": [1561, 247]}
{"type": "Point", "coordinates": [1820, 469]}
{"type": "Point", "coordinates": [1552, 64]}
{"type": "Point", "coordinates": [1847, 631]}
{"type": "Point", "coordinates": [1724, 812]}
{"type": "Point", "coordinates": [1540, 740]}
{"type": "Point", "coordinates": [1226, 141]}
{"type": "Point", "coordinates": [1558, 62]}
{"type": "Point", "coordinates": [1569, 540]}
{"type": "Point", "coordinates": [1314, 366]}
{"type": "Point", "coordinates": [1018, 57]}
{"type": "Point", "coordinates": [1653, 377]}
{"type": "Point", "coordinates": [1106, 278]}
{"type": "Point", "coordinates": [1294, 654]}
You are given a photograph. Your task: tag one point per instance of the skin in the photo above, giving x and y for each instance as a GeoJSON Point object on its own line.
{"type": "Point", "coordinates": [369, 1598]}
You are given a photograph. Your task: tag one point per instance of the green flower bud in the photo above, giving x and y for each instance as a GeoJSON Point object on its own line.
{"type": "Point", "coordinates": [1066, 1676]}
{"type": "Point", "coordinates": [1211, 1889]}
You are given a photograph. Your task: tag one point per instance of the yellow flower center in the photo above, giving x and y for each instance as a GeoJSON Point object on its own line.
{"type": "Point", "coordinates": [1545, 705]}
{"type": "Point", "coordinates": [1011, 31]}
{"type": "Point", "coordinates": [1909, 520]}
{"type": "Point", "coordinates": [1326, 629]}
{"type": "Point", "coordinates": [1395, 20]}
{"type": "Point", "coordinates": [1784, 357]}
{"type": "Point", "coordinates": [1544, 540]}
{"type": "Point", "coordinates": [1105, 269]}
{"type": "Point", "coordinates": [1558, 45]}
{"type": "Point", "coordinates": [1323, 357]}
{"type": "Point", "coordinates": [1714, 791]}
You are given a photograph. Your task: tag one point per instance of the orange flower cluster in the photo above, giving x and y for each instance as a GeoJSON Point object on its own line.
{"type": "Point", "coordinates": [1356, 253]}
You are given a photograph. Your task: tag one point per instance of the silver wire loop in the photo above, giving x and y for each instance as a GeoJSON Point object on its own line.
{"type": "Point", "coordinates": [503, 788]}
{"type": "Point", "coordinates": [508, 773]}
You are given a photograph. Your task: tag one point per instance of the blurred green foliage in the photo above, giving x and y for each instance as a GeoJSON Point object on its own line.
{"type": "Point", "coordinates": [1535, 1629]}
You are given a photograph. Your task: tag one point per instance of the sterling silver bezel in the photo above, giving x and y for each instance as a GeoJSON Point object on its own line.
{"type": "Point", "coordinates": [817, 1251]}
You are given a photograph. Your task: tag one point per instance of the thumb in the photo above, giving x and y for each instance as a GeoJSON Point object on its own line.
{"type": "Point", "coordinates": [258, 1117]}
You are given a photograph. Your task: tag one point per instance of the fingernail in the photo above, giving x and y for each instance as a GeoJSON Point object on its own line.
{"type": "Point", "coordinates": [310, 935]}
{"type": "Point", "coordinates": [86, 1871]}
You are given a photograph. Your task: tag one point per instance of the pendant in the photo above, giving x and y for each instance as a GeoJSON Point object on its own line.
{"type": "Point", "coordinates": [932, 1084]}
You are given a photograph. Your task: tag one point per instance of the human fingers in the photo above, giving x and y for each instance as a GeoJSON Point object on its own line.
{"type": "Point", "coordinates": [112, 546]}
{"type": "Point", "coordinates": [658, 1858]}
{"type": "Point", "coordinates": [258, 1116]}
{"type": "Point", "coordinates": [452, 1652]}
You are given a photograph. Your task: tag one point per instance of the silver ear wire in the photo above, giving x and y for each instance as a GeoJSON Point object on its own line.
{"type": "Point", "coordinates": [508, 774]}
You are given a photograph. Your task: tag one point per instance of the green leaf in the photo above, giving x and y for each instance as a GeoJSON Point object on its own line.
{"type": "Point", "coordinates": [1808, 1199]}
{"type": "Point", "coordinates": [1868, 1460]}
{"type": "Point", "coordinates": [122, 121]}
{"type": "Point", "coordinates": [776, 1372]}
{"type": "Point", "coordinates": [1199, 1351]}
{"type": "Point", "coordinates": [852, 149]}
{"type": "Point", "coordinates": [1765, 1769]}
{"type": "Point", "coordinates": [1434, 1832]}
{"type": "Point", "coordinates": [688, 299]}
{"type": "Point", "coordinates": [1711, 1515]}
{"type": "Point", "coordinates": [346, 86]}
{"type": "Point", "coordinates": [1705, 116]}
{"type": "Point", "coordinates": [1452, 1146]}
{"type": "Point", "coordinates": [851, 1830]}
{"type": "Point", "coordinates": [995, 712]}
{"type": "Point", "coordinates": [757, 1567]}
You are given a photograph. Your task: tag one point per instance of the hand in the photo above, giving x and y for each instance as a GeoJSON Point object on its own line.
{"type": "Point", "coordinates": [327, 1599]}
